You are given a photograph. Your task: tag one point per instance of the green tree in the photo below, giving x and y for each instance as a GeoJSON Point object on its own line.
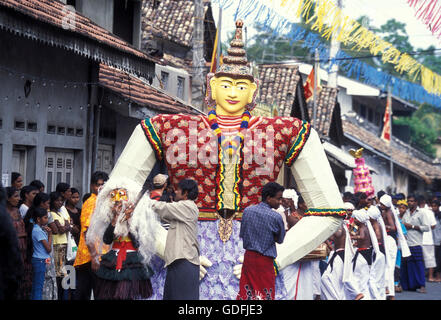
{"type": "Point", "coordinates": [424, 127]}
{"type": "Point", "coordinates": [266, 47]}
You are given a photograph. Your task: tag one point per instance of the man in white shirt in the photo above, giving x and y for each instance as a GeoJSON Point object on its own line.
{"type": "Point", "coordinates": [437, 238]}
{"type": "Point", "coordinates": [428, 244]}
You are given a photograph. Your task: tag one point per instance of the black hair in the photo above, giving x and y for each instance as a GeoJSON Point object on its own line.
{"type": "Point", "coordinates": [10, 191]}
{"type": "Point", "coordinates": [401, 196]}
{"type": "Point", "coordinates": [300, 200]}
{"type": "Point", "coordinates": [347, 195]}
{"type": "Point", "coordinates": [270, 190]}
{"type": "Point", "coordinates": [420, 199]}
{"type": "Point", "coordinates": [15, 176]}
{"type": "Point", "coordinates": [74, 190]}
{"type": "Point", "coordinates": [436, 202]}
{"type": "Point", "coordinates": [411, 196]}
{"type": "Point", "coordinates": [361, 195]}
{"type": "Point", "coordinates": [40, 198]}
{"type": "Point", "coordinates": [62, 187]}
{"type": "Point", "coordinates": [53, 197]}
{"type": "Point", "coordinates": [38, 213]}
{"type": "Point", "coordinates": [86, 196]}
{"type": "Point", "coordinates": [25, 190]}
{"type": "Point", "coordinates": [380, 194]}
{"type": "Point", "coordinates": [191, 187]}
{"type": "Point", "coordinates": [37, 183]}
{"type": "Point", "coordinates": [98, 175]}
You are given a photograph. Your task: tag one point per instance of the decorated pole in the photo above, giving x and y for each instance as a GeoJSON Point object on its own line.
{"type": "Point", "coordinates": [389, 105]}
{"type": "Point", "coordinates": [316, 71]}
{"type": "Point", "coordinates": [198, 78]}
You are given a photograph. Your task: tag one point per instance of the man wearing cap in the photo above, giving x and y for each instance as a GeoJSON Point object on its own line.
{"type": "Point", "coordinates": [288, 208]}
{"type": "Point", "coordinates": [159, 185]}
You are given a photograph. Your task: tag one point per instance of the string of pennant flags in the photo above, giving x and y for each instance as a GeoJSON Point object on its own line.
{"type": "Point", "coordinates": [429, 12]}
{"type": "Point", "coordinates": [348, 32]}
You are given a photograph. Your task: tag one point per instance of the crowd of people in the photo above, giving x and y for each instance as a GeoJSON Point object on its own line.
{"type": "Point", "coordinates": [45, 236]}
{"type": "Point", "coordinates": [387, 243]}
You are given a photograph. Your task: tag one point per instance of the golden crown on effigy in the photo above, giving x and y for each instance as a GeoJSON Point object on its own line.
{"type": "Point", "coordinates": [234, 65]}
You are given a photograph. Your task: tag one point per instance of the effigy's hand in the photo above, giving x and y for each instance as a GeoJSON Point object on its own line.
{"type": "Point", "coordinates": [128, 211]}
{"type": "Point", "coordinates": [237, 269]}
{"type": "Point", "coordinates": [204, 262]}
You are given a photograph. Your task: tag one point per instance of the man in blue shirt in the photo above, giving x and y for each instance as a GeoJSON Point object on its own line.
{"type": "Point", "coordinates": [260, 229]}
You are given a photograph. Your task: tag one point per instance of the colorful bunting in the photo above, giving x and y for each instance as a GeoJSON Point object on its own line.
{"type": "Point", "coordinates": [429, 12]}
{"type": "Point", "coordinates": [349, 33]}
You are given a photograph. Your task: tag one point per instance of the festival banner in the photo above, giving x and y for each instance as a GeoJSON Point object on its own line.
{"type": "Point", "coordinates": [429, 12]}
{"type": "Point", "coordinates": [324, 17]}
{"type": "Point", "coordinates": [270, 20]}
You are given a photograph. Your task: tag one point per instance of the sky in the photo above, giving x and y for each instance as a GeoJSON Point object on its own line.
{"type": "Point", "coordinates": [379, 11]}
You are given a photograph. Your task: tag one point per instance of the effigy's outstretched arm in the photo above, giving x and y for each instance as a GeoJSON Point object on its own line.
{"type": "Point", "coordinates": [137, 159]}
{"type": "Point", "coordinates": [135, 163]}
{"type": "Point", "coordinates": [316, 183]}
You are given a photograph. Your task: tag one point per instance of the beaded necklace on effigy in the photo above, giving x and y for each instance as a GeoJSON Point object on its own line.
{"type": "Point", "coordinates": [229, 147]}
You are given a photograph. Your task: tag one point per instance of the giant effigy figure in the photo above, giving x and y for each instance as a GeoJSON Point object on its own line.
{"type": "Point", "coordinates": [232, 155]}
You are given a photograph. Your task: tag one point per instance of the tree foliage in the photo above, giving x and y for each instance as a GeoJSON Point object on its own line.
{"type": "Point", "coordinates": [424, 127]}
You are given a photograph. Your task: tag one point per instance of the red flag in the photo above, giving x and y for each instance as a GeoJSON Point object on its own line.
{"type": "Point", "coordinates": [385, 133]}
{"type": "Point", "coordinates": [309, 86]}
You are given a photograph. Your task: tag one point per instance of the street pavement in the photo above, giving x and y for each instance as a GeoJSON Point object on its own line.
{"type": "Point", "coordinates": [433, 293]}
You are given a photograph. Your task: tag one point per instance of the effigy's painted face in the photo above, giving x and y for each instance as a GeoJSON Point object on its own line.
{"type": "Point", "coordinates": [118, 195]}
{"type": "Point", "coordinates": [231, 95]}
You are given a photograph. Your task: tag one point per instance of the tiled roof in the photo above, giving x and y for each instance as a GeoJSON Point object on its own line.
{"type": "Point", "coordinates": [136, 90]}
{"type": "Point", "coordinates": [405, 159]}
{"type": "Point", "coordinates": [278, 84]}
{"type": "Point", "coordinates": [327, 99]}
{"type": "Point", "coordinates": [54, 13]}
{"type": "Point", "coordinates": [172, 20]}
{"type": "Point", "coordinates": [176, 62]}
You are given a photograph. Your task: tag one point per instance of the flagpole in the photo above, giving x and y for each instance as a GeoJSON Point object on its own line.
{"type": "Point", "coordinates": [389, 105]}
{"type": "Point", "coordinates": [219, 42]}
{"type": "Point", "coordinates": [316, 71]}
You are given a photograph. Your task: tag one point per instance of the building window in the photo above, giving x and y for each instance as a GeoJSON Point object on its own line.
{"type": "Point", "coordinates": [363, 111]}
{"type": "Point", "coordinates": [70, 131]}
{"type": "Point", "coordinates": [123, 17]}
{"type": "Point", "coordinates": [79, 132]}
{"type": "Point", "coordinates": [164, 80]}
{"type": "Point", "coordinates": [71, 3]}
{"type": "Point", "coordinates": [19, 125]}
{"type": "Point", "coordinates": [61, 130]}
{"type": "Point", "coordinates": [370, 115]}
{"type": "Point", "coordinates": [59, 168]}
{"type": "Point", "coordinates": [181, 87]}
{"type": "Point", "coordinates": [32, 126]}
{"type": "Point", "coordinates": [378, 119]}
{"type": "Point", "coordinates": [51, 129]}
